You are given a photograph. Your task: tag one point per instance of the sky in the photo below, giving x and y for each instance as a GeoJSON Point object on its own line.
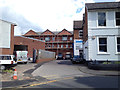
{"type": "Point", "coordinates": [39, 15]}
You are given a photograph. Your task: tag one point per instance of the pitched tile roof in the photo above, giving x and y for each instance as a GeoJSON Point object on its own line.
{"type": "Point", "coordinates": [103, 5]}
{"type": "Point", "coordinates": [55, 32]}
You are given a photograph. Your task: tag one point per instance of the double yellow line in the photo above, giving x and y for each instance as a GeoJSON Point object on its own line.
{"type": "Point", "coordinates": [46, 82]}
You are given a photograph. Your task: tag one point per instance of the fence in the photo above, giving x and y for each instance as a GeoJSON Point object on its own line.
{"type": "Point", "coordinates": [42, 54]}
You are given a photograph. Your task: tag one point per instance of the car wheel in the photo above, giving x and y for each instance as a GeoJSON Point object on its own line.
{"type": "Point", "coordinates": [25, 62]}
{"type": "Point", "coordinates": [2, 67]}
{"type": "Point", "coordinates": [73, 62]}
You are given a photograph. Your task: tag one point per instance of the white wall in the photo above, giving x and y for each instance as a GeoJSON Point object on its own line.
{"type": "Point", "coordinates": [111, 31]}
{"type": "Point", "coordinates": [85, 51]}
{"type": "Point", "coordinates": [111, 49]}
{"type": "Point", "coordinates": [5, 30]}
{"type": "Point", "coordinates": [93, 19]}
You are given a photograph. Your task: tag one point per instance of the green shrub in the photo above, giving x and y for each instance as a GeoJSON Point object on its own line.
{"type": "Point", "coordinates": [10, 70]}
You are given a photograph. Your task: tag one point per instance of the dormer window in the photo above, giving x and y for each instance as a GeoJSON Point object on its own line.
{"type": "Point", "coordinates": [101, 19]}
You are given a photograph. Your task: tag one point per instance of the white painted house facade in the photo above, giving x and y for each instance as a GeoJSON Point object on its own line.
{"type": "Point", "coordinates": [103, 35]}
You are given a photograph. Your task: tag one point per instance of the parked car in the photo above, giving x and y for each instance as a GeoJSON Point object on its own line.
{"type": "Point", "coordinates": [60, 57]}
{"type": "Point", "coordinates": [6, 60]}
{"type": "Point", "coordinates": [68, 56]}
{"type": "Point", "coordinates": [76, 59]}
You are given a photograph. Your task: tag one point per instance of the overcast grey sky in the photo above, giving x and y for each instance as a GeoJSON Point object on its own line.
{"type": "Point", "coordinates": [40, 15]}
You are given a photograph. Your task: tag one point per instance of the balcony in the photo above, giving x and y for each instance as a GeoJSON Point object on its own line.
{"type": "Point", "coordinates": [58, 48]}
{"type": "Point", "coordinates": [59, 42]}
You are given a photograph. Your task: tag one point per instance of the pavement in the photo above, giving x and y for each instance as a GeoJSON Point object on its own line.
{"type": "Point", "coordinates": [83, 68]}
{"type": "Point", "coordinates": [25, 76]}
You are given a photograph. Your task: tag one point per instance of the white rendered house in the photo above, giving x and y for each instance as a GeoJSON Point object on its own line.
{"type": "Point", "coordinates": [102, 31]}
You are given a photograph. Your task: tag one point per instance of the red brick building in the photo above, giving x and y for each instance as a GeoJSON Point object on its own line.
{"type": "Point", "coordinates": [78, 38]}
{"type": "Point", "coordinates": [78, 29]}
{"type": "Point", "coordinates": [28, 44]}
{"type": "Point", "coordinates": [59, 42]}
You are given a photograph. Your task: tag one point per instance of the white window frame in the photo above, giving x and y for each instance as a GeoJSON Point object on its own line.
{"type": "Point", "coordinates": [66, 45]}
{"type": "Point", "coordinates": [47, 38]}
{"type": "Point", "coordinates": [116, 44]}
{"type": "Point", "coordinates": [62, 46]}
{"type": "Point", "coordinates": [80, 32]}
{"type": "Point", "coordinates": [71, 46]}
{"type": "Point", "coordinates": [71, 38]}
{"type": "Point", "coordinates": [98, 45]}
{"type": "Point", "coordinates": [64, 38]}
{"type": "Point", "coordinates": [115, 18]}
{"type": "Point", "coordinates": [58, 46]}
{"type": "Point", "coordinates": [53, 38]}
{"type": "Point", "coordinates": [52, 45]}
{"type": "Point", "coordinates": [97, 19]}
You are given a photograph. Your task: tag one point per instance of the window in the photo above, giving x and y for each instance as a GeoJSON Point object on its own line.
{"type": "Point", "coordinates": [101, 19]}
{"type": "Point", "coordinates": [53, 38]}
{"type": "Point", "coordinates": [49, 46]}
{"type": "Point", "coordinates": [47, 39]}
{"type": "Point", "coordinates": [102, 44]}
{"type": "Point", "coordinates": [64, 38]}
{"type": "Point", "coordinates": [58, 45]}
{"type": "Point", "coordinates": [70, 38]}
{"type": "Point", "coordinates": [5, 57]}
{"type": "Point", "coordinates": [80, 33]}
{"type": "Point", "coordinates": [41, 39]}
{"type": "Point", "coordinates": [118, 44]}
{"type": "Point", "coordinates": [61, 46]}
{"type": "Point", "coordinates": [117, 18]}
{"type": "Point", "coordinates": [66, 46]}
{"type": "Point", "coordinates": [70, 46]}
{"type": "Point", "coordinates": [53, 45]}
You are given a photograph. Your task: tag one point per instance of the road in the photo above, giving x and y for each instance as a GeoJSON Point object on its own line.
{"type": "Point", "coordinates": [63, 74]}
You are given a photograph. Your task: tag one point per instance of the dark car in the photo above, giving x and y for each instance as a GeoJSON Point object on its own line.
{"type": "Point", "coordinates": [68, 56]}
{"type": "Point", "coordinates": [76, 59]}
{"type": "Point", "coordinates": [60, 57]}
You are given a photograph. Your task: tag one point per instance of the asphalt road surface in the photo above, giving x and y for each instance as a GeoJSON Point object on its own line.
{"type": "Point", "coordinates": [63, 74]}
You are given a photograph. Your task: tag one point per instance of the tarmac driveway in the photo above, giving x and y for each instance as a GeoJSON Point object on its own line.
{"type": "Point", "coordinates": [32, 73]}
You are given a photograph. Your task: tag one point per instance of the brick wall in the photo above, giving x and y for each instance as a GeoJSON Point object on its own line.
{"type": "Point", "coordinates": [76, 34]}
{"type": "Point", "coordinates": [85, 28]}
{"type": "Point", "coordinates": [31, 43]}
{"type": "Point", "coordinates": [9, 51]}
{"type": "Point", "coordinates": [58, 40]}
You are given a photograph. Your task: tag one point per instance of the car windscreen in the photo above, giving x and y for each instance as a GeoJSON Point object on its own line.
{"type": "Point", "coordinates": [5, 57]}
{"type": "Point", "coordinates": [76, 56]}
{"type": "Point", "coordinates": [59, 54]}
{"type": "Point", "coordinates": [67, 55]}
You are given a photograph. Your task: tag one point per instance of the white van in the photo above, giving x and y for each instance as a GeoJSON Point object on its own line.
{"type": "Point", "coordinates": [6, 60]}
{"type": "Point", "coordinates": [21, 56]}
